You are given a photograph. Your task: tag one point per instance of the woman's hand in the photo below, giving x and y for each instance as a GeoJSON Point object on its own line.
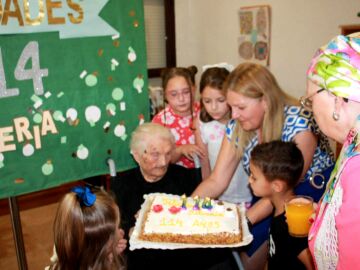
{"type": "Point", "coordinates": [313, 215]}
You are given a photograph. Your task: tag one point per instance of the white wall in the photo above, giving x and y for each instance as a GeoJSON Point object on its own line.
{"type": "Point", "coordinates": [207, 32]}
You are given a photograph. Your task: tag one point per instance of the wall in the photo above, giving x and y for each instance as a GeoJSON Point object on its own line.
{"type": "Point", "coordinates": [207, 32]}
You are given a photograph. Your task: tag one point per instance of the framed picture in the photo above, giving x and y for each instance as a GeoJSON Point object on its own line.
{"type": "Point", "coordinates": [254, 39]}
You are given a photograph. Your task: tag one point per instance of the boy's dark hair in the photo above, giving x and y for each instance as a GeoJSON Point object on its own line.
{"type": "Point", "coordinates": [213, 77]}
{"type": "Point", "coordinates": [279, 160]}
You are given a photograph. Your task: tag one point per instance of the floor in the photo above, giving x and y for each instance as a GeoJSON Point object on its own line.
{"type": "Point", "coordinates": [37, 234]}
{"type": "Point", "coordinates": [37, 213]}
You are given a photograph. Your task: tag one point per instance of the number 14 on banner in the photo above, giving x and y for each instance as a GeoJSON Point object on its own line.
{"type": "Point", "coordinates": [31, 51]}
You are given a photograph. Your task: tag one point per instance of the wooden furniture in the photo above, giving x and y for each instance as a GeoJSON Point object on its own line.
{"type": "Point", "coordinates": [348, 29]}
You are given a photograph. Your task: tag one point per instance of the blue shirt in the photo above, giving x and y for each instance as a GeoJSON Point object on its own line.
{"type": "Point", "coordinates": [297, 119]}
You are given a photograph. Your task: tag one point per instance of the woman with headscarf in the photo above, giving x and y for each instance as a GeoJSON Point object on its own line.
{"type": "Point", "coordinates": [333, 93]}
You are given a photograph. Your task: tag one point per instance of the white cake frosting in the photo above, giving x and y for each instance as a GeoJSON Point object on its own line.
{"type": "Point", "coordinates": [222, 217]}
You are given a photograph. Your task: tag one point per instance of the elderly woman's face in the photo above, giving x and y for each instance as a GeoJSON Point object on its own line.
{"type": "Point", "coordinates": [323, 106]}
{"type": "Point", "coordinates": [154, 161]}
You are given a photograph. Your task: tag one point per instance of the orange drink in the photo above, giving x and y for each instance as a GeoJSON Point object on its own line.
{"type": "Point", "coordinates": [298, 211]}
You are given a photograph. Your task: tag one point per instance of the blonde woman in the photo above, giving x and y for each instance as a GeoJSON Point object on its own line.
{"type": "Point", "coordinates": [262, 112]}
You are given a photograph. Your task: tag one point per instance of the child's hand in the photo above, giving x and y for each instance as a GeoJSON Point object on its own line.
{"type": "Point", "coordinates": [189, 150]}
{"type": "Point", "coordinates": [121, 245]}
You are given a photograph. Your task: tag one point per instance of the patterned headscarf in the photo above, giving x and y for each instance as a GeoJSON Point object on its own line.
{"type": "Point", "coordinates": [336, 67]}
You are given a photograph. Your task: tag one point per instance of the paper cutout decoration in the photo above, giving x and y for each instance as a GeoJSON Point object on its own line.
{"type": "Point", "coordinates": [254, 39]}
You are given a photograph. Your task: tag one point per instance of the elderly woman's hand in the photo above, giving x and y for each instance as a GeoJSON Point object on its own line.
{"type": "Point", "coordinates": [121, 245]}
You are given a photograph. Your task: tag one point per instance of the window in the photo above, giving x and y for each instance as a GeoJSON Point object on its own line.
{"type": "Point", "coordinates": [160, 35]}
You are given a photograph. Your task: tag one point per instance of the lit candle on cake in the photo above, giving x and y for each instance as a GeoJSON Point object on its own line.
{"type": "Point", "coordinates": [197, 202]}
{"type": "Point", "coordinates": [209, 206]}
{"type": "Point", "coordinates": [208, 203]}
{"type": "Point", "coordinates": [183, 199]}
{"type": "Point", "coordinates": [205, 202]}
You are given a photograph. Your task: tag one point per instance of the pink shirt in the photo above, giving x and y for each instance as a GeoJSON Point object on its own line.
{"type": "Point", "coordinates": [181, 127]}
{"type": "Point", "coordinates": [347, 220]}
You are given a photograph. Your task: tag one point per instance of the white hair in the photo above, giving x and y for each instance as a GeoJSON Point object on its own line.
{"type": "Point", "coordinates": [147, 132]}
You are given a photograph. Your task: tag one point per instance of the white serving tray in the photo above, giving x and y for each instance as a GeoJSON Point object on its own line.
{"type": "Point", "coordinates": [136, 243]}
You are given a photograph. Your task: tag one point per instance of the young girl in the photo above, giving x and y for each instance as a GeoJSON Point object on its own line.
{"type": "Point", "coordinates": [214, 115]}
{"type": "Point", "coordinates": [179, 86]}
{"type": "Point", "coordinates": [86, 232]}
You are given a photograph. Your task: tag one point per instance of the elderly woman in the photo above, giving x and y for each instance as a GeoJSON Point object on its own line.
{"type": "Point", "coordinates": [152, 146]}
{"type": "Point", "coordinates": [333, 93]}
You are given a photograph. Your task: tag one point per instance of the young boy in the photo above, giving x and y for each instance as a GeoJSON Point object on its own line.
{"type": "Point", "coordinates": [275, 169]}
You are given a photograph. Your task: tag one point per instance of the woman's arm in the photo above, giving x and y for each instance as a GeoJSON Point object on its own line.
{"type": "Point", "coordinates": [260, 210]}
{"type": "Point", "coordinates": [306, 141]}
{"type": "Point", "coordinates": [219, 179]}
{"type": "Point", "coordinates": [204, 161]}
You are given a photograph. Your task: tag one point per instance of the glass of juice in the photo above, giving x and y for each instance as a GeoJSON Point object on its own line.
{"type": "Point", "coordinates": [298, 211]}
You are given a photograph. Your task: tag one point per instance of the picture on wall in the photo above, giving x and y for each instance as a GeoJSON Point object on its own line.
{"type": "Point", "coordinates": [254, 39]}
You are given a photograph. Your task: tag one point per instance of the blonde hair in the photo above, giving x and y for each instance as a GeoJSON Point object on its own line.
{"type": "Point", "coordinates": [147, 132]}
{"type": "Point", "coordinates": [257, 82]}
{"type": "Point", "coordinates": [85, 236]}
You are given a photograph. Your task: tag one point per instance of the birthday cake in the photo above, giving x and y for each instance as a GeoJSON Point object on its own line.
{"type": "Point", "coordinates": [180, 219]}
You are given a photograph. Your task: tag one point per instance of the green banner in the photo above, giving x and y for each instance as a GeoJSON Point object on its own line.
{"type": "Point", "coordinates": [70, 96]}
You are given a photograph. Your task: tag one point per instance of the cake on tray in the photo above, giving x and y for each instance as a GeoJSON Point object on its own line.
{"type": "Point", "coordinates": [180, 219]}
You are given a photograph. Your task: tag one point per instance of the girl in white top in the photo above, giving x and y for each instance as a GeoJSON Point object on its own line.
{"type": "Point", "coordinates": [210, 131]}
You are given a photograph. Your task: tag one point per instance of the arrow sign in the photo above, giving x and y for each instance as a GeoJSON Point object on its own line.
{"type": "Point", "coordinates": [71, 18]}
